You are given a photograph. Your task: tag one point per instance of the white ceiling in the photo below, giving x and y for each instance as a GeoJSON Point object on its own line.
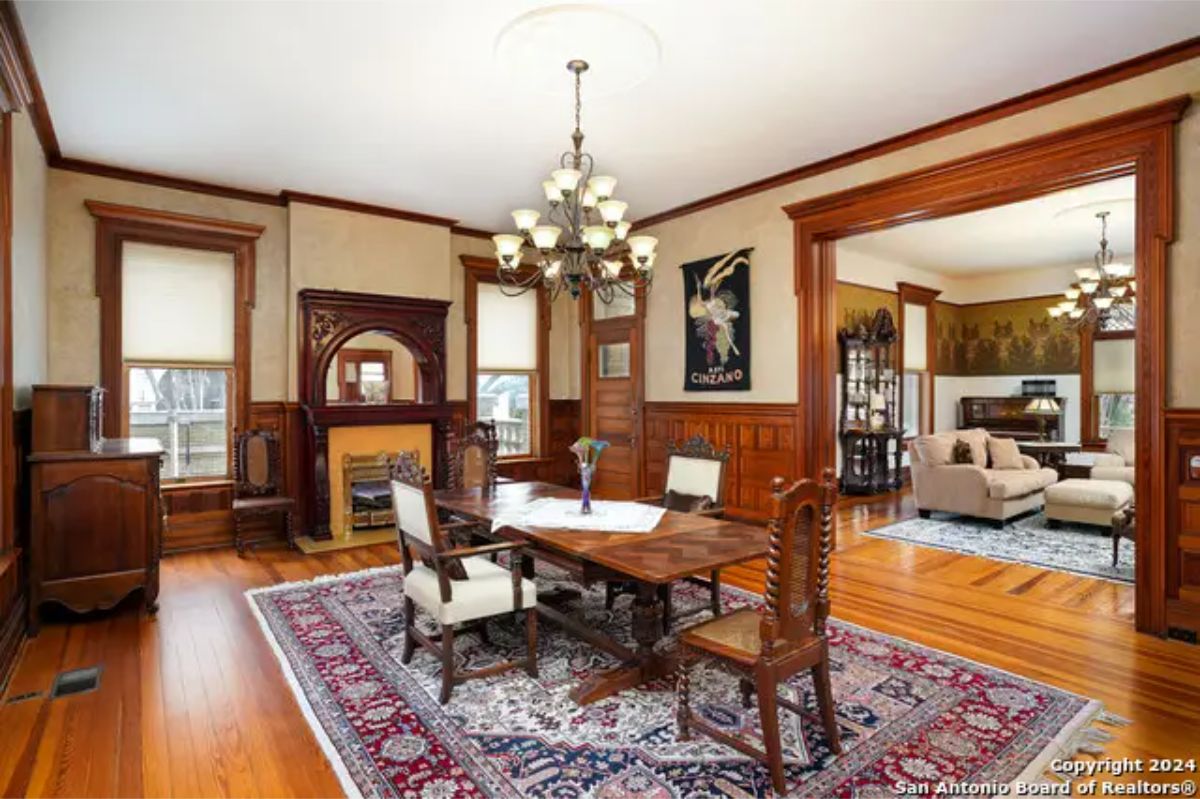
{"type": "Point", "coordinates": [1055, 229]}
{"type": "Point", "coordinates": [403, 103]}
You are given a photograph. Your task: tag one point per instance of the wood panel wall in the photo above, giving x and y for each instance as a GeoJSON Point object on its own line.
{"type": "Point", "coordinates": [762, 437]}
{"type": "Point", "coordinates": [1183, 520]}
{"type": "Point", "coordinates": [200, 516]}
{"type": "Point", "coordinates": [14, 583]}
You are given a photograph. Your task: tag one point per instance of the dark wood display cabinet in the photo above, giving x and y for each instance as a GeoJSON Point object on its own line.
{"type": "Point", "coordinates": [96, 509]}
{"type": "Point", "coordinates": [870, 438]}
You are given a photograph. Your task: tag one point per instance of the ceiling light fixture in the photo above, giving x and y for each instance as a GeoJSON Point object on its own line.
{"type": "Point", "coordinates": [587, 245]}
{"type": "Point", "coordinates": [1104, 293]}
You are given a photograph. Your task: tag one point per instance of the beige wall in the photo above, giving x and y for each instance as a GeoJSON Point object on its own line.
{"type": "Point", "coordinates": [28, 260]}
{"type": "Point", "coordinates": [758, 221]}
{"type": "Point", "coordinates": [74, 311]}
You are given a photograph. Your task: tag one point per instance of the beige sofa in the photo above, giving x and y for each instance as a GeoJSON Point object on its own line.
{"type": "Point", "coordinates": [1116, 463]}
{"type": "Point", "coordinates": [974, 489]}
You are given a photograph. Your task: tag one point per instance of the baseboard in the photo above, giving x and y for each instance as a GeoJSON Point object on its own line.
{"type": "Point", "coordinates": [12, 637]}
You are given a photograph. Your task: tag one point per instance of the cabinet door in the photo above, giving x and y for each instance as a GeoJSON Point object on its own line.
{"type": "Point", "coordinates": [94, 517]}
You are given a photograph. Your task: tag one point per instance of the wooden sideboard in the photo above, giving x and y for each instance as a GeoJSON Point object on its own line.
{"type": "Point", "coordinates": [95, 510]}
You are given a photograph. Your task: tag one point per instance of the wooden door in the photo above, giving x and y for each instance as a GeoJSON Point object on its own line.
{"type": "Point", "coordinates": [613, 388]}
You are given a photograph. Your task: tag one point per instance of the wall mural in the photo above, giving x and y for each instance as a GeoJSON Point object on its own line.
{"type": "Point", "coordinates": [716, 298]}
{"type": "Point", "coordinates": [1010, 337]}
{"type": "Point", "coordinates": [1007, 337]}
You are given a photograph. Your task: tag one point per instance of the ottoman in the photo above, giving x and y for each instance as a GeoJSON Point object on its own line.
{"type": "Point", "coordinates": [1086, 501]}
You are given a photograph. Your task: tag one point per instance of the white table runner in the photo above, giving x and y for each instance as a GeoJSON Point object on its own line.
{"type": "Point", "coordinates": [619, 517]}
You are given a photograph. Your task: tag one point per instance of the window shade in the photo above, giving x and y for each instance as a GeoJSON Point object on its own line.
{"type": "Point", "coordinates": [1113, 366]}
{"type": "Point", "coordinates": [915, 337]}
{"type": "Point", "coordinates": [176, 304]}
{"type": "Point", "coordinates": [506, 330]}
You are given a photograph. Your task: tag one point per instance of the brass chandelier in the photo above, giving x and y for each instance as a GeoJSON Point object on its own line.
{"type": "Point", "coordinates": [1103, 291]}
{"type": "Point", "coordinates": [585, 241]}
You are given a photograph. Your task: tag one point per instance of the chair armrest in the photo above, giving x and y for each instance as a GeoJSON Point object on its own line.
{"type": "Point", "coordinates": [1029, 463]}
{"type": "Point", "coordinates": [655, 500]}
{"type": "Point", "coordinates": [1107, 459]}
{"type": "Point", "coordinates": [485, 549]}
{"type": "Point", "coordinates": [713, 512]}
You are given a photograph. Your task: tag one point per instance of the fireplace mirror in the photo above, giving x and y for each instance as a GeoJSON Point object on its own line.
{"type": "Point", "coordinates": [373, 368]}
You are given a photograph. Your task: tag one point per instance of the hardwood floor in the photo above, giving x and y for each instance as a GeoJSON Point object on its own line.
{"type": "Point", "coordinates": [194, 704]}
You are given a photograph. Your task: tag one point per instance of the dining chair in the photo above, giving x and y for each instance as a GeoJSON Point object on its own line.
{"type": "Point", "coordinates": [257, 482]}
{"type": "Point", "coordinates": [695, 484]}
{"type": "Point", "coordinates": [787, 636]}
{"type": "Point", "coordinates": [473, 456]}
{"type": "Point", "coordinates": [459, 587]}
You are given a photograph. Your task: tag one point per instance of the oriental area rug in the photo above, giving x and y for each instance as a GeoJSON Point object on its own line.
{"type": "Point", "coordinates": [908, 714]}
{"type": "Point", "coordinates": [1075, 548]}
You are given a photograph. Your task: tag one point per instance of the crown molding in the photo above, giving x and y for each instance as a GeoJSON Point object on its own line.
{"type": "Point", "coordinates": [20, 88]}
{"type": "Point", "coordinates": [1081, 84]}
{"type": "Point", "coordinates": [463, 230]}
{"type": "Point", "coordinates": [290, 197]}
{"type": "Point", "coordinates": [164, 181]}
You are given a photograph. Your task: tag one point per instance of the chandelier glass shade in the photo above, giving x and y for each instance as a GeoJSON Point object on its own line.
{"type": "Point", "coordinates": [1103, 291]}
{"type": "Point", "coordinates": [583, 240]}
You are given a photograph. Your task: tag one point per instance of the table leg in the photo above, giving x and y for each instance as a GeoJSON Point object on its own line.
{"type": "Point", "coordinates": [646, 663]}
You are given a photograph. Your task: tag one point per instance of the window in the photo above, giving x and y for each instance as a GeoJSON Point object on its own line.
{"type": "Point", "coordinates": [1116, 411]}
{"type": "Point", "coordinates": [915, 338]}
{"type": "Point", "coordinates": [1113, 362]}
{"type": "Point", "coordinates": [177, 347]}
{"type": "Point", "coordinates": [506, 367]}
{"type": "Point", "coordinates": [912, 403]}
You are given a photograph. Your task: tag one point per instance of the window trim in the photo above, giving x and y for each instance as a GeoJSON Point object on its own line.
{"type": "Point", "coordinates": [116, 224]}
{"type": "Point", "coordinates": [478, 270]}
{"type": "Point", "coordinates": [230, 383]}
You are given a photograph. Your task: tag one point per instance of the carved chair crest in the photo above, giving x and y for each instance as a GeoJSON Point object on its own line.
{"type": "Point", "coordinates": [408, 470]}
{"type": "Point", "coordinates": [698, 447]}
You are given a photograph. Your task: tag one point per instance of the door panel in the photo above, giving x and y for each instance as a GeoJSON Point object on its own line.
{"type": "Point", "coordinates": [615, 406]}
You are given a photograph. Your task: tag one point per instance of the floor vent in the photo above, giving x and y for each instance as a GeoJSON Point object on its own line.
{"type": "Point", "coordinates": [1181, 634]}
{"type": "Point", "coordinates": [76, 681]}
{"type": "Point", "coordinates": [25, 697]}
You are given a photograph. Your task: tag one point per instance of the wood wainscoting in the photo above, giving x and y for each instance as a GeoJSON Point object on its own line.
{"type": "Point", "coordinates": [1183, 520]}
{"type": "Point", "coordinates": [200, 515]}
{"type": "Point", "coordinates": [762, 437]}
{"type": "Point", "coordinates": [14, 575]}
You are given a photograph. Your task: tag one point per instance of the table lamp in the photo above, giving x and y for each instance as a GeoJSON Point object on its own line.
{"type": "Point", "coordinates": [1041, 407]}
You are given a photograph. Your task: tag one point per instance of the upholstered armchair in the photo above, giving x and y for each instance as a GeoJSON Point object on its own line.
{"type": "Point", "coordinates": [458, 587]}
{"type": "Point", "coordinates": [1116, 462]}
{"type": "Point", "coordinates": [695, 484]}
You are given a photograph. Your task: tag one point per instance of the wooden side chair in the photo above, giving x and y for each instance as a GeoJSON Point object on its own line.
{"type": "Point", "coordinates": [787, 637]}
{"type": "Point", "coordinates": [473, 457]}
{"type": "Point", "coordinates": [257, 479]}
{"type": "Point", "coordinates": [458, 587]}
{"type": "Point", "coordinates": [695, 484]}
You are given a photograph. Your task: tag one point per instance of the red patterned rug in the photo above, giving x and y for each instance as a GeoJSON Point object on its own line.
{"type": "Point", "coordinates": [908, 714]}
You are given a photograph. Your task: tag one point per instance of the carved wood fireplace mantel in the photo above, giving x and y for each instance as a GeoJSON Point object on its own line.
{"type": "Point", "coordinates": [329, 319]}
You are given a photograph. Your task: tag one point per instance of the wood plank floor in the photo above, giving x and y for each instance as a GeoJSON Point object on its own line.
{"type": "Point", "coordinates": [194, 704]}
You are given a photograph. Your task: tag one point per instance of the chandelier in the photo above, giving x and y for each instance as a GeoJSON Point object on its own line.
{"type": "Point", "coordinates": [584, 239]}
{"type": "Point", "coordinates": [1102, 292]}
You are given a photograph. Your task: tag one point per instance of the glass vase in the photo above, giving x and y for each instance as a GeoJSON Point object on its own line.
{"type": "Point", "coordinates": [585, 484]}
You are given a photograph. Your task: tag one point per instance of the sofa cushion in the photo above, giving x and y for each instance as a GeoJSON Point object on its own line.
{"type": "Point", "coordinates": [1014, 483]}
{"type": "Point", "coordinates": [962, 454]}
{"type": "Point", "coordinates": [936, 449]}
{"type": "Point", "coordinates": [1105, 494]}
{"type": "Point", "coordinates": [1121, 443]}
{"type": "Point", "coordinates": [1004, 454]}
{"type": "Point", "coordinates": [977, 439]}
{"type": "Point", "coordinates": [1125, 474]}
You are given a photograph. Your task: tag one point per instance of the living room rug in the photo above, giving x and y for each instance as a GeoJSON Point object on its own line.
{"type": "Point", "coordinates": [908, 714]}
{"type": "Point", "coordinates": [1075, 548]}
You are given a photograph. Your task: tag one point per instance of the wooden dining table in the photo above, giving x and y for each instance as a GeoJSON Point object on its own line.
{"type": "Point", "coordinates": [680, 545]}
